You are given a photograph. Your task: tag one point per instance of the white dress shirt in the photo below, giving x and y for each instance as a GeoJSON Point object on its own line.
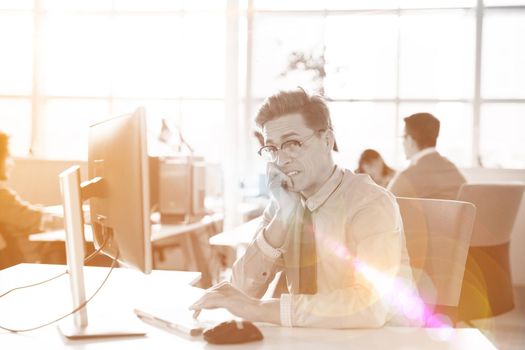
{"type": "Point", "coordinates": [417, 156]}
{"type": "Point", "coordinates": [361, 258]}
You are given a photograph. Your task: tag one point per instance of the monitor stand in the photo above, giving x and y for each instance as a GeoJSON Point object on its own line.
{"type": "Point", "coordinates": [73, 194]}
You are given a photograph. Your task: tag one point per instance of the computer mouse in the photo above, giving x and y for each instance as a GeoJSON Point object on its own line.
{"type": "Point", "coordinates": [232, 332]}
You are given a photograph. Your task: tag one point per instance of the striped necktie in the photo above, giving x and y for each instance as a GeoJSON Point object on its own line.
{"type": "Point", "coordinates": [308, 257]}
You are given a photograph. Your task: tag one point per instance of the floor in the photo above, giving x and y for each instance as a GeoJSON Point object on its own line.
{"type": "Point", "coordinates": [507, 331]}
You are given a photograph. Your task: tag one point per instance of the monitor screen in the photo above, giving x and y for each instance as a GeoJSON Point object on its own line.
{"type": "Point", "coordinates": [121, 214]}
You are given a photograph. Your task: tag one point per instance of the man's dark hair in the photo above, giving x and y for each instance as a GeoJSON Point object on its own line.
{"type": "Point", "coordinates": [423, 128]}
{"type": "Point", "coordinates": [313, 108]}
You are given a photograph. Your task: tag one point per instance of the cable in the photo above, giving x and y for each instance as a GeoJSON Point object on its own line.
{"type": "Point", "coordinates": [81, 306]}
{"type": "Point", "coordinates": [87, 259]}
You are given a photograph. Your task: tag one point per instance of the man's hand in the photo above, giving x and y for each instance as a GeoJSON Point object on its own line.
{"type": "Point", "coordinates": [238, 303]}
{"type": "Point", "coordinates": [281, 188]}
{"type": "Point", "coordinates": [286, 201]}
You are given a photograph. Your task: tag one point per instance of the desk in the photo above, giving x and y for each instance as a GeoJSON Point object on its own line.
{"type": "Point", "coordinates": [239, 237]}
{"type": "Point", "coordinates": [162, 236]}
{"type": "Point", "coordinates": [126, 289]}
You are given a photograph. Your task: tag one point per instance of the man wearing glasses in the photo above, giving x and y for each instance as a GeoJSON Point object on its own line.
{"type": "Point", "coordinates": [337, 237]}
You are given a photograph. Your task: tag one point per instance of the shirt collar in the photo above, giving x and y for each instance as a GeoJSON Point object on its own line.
{"type": "Point", "coordinates": [326, 190]}
{"type": "Point", "coordinates": [416, 157]}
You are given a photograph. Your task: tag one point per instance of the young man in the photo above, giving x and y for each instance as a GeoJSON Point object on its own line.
{"type": "Point", "coordinates": [18, 218]}
{"type": "Point", "coordinates": [429, 175]}
{"type": "Point", "coordinates": [337, 236]}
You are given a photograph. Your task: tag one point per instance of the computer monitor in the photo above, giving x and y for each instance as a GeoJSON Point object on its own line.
{"type": "Point", "coordinates": [118, 155]}
{"type": "Point", "coordinates": [118, 191]}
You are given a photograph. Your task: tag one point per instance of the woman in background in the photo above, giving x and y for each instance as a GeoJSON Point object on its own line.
{"type": "Point", "coordinates": [372, 163]}
{"type": "Point", "coordinates": [18, 218]}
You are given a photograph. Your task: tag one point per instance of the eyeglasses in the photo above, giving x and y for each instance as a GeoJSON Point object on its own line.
{"type": "Point", "coordinates": [291, 147]}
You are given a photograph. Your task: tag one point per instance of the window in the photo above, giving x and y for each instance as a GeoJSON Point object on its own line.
{"type": "Point", "coordinates": [384, 60]}
{"type": "Point", "coordinates": [503, 54]}
{"type": "Point", "coordinates": [97, 58]}
{"type": "Point", "coordinates": [362, 125]}
{"type": "Point", "coordinates": [15, 120]}
{"type": "Point", "coordinates": [16, 60]}
{"type": "Point", "coordinates": [357, 65]}
{"type": "Point", "coordinates": [502, 127]}
{"type": "Point", "coordinates": [437, 60]}
{"type": "Point", "coordinates": [72, 62]}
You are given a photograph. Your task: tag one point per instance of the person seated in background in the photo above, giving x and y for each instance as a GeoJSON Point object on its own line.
{"type": "Point", "coordinates": [337, 236]}
{"type": "Point", "coordinates": [371, 163]}
{"type": "Point", "coordinates": [18, 218]}
{"type": "Point", "coordinates": [429, 174]}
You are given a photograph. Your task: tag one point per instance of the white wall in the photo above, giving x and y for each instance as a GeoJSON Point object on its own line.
{"type": "Point", "coordinates": [517, 242]}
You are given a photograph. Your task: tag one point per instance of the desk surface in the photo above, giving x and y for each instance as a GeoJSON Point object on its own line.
{"type": "Point", "coordinates": [127, 289]}
{"type": "Point", "coordinates": [241, 235]}
{"type": "Point", "coordinates": [159, 232]}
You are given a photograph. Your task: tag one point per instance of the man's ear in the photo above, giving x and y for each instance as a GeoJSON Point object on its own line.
{"type": "Point", "coordinates": [329, 139]}
{"type": "Point", "coordinates": [412, 143]}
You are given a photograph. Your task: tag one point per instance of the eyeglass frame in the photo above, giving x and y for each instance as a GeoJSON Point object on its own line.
{"type": "Point", "coordinates": [280, 148]}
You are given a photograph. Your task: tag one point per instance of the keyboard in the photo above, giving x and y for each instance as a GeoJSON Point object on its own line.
{"type": "Point", "coordinates": [176, 320]}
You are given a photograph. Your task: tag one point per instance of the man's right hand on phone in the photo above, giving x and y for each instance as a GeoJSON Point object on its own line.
{"type": "Point", "coordinates": [286, 200]}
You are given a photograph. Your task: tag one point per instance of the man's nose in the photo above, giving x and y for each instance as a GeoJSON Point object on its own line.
{"type": "Point", "coordinates": [282, 158]}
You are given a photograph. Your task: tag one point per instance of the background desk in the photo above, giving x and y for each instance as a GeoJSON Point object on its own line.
{"type": "Point", "coordinates": [127, 289]}
{"type": "Point", "coordinates": [163, 236]}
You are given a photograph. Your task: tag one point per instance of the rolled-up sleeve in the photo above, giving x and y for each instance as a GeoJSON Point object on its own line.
{"type": "Point", "coordinates": [375, 258]}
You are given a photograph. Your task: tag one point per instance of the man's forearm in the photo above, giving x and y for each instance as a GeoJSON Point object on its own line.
{"type": "Point", "coordinates": [267, 311]}
{"type": "Point", "coordinates": [274, 233]}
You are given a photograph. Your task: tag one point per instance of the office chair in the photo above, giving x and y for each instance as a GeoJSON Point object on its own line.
{"type": "Point", "coordinates": [487, 284]}
{"type": "Point", "coordinates": [437, 235]}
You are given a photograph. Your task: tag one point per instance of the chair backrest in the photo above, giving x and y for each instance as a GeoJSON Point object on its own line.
{"type": "Point", "coordinates": [437, 237]}
{"type": "Point", "coordinates": [497, 206]}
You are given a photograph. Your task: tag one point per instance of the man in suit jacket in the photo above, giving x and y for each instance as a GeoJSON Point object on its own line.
{"type": "Point", "coordinates": [429, 174]}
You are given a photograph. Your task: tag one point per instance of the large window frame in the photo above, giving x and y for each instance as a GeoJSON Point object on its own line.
{"type": "Point", "coordinates": [476, 102]}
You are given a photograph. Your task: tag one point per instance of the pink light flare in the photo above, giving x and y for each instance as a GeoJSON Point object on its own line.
{"type": "Point", "coordinates": [403, 297]}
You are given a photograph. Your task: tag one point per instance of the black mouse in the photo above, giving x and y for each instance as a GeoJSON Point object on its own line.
{"type": "Point", "coordinates": [232, 332]}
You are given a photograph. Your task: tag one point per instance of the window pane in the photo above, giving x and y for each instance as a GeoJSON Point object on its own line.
{"type": "Point", "coordinates": [206, 5]}
{"type": "Point", "coordinates": [357, 65]}
{"type": "Point", "coordinates": [455, 134]}
{"type": "Point", "coordinates": [358, 4]}
{"type": "Point", "coordinates": [436, 3]}
{"type": "Point", "coordinates": [203, 128]}
{"type": "Point", "coordinates": [89, 5]}
{"type": "Point", "coordinates": [76, 55]}
{"type": "Point", "coordinates": [15, 120]}
{"type": "Point", "coordinates": [394, 4]}
{"type": "Point", "coordinates": [502, 144]}
{"type": "Point", "coordinates": [148, 52]}
{"type": "Point", "coordinates": [155, 111]}
{"type": "Point", "coordinates": [16, 4]}
{"type": "Point", "coordinates": [503, 2]}
{"type": "Point", "coordinates": [148, 5]}
{"type": "Point", "coordinates": [504, 54]}
{"type": "Point", "coordinates": [437, 60]}
{"type": "Point", "coordinates": [289, 5]}
{"type": "Point", "coordinates": [277, 41]}
{"type": "Point", "coordinates": [203, 56]}
{"type": "Point", "coordinates": [16, 58]}
{"type": "Point", "coordinates": [362, 125]}
{"type": "Point", "coordinates": [66, 124]}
